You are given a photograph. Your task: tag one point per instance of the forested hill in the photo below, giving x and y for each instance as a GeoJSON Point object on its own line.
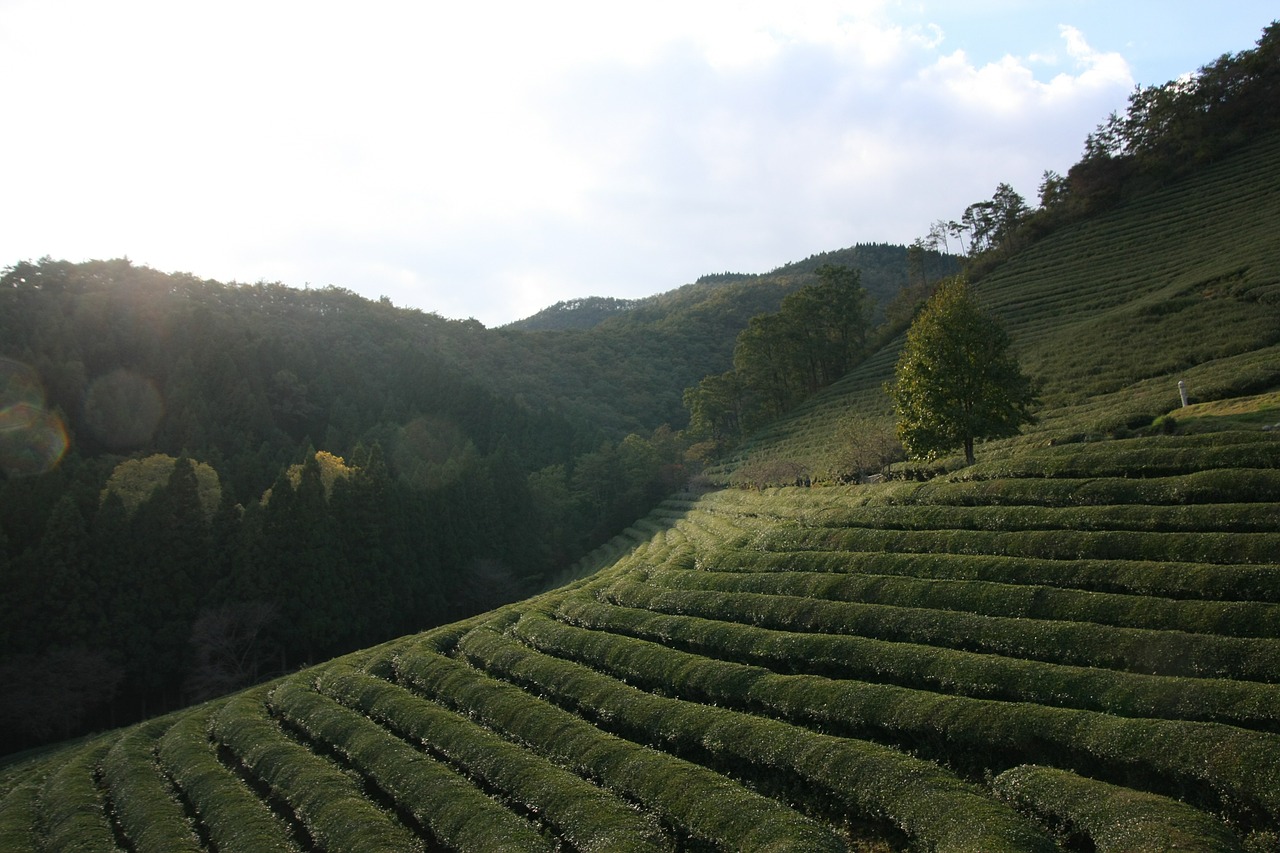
{"type": "Point", "coordinates": [342, 448]}
{"type": "Point", "coordinates": [626, 370]}
{"type": "Point", "coordinates": [573, 314]}
{"type": "Point", "coordinates": [884, 270]}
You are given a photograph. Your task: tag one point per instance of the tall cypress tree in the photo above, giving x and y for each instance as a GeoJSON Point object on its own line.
{"type": "Point", "coordinates": [70, 601]}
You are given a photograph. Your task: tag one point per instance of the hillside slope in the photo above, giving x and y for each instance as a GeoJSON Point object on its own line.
{"type": "Point", "coordinates": [1074, 644]}
{"type": "Point", "coordinates": [1108, 315]}
{"type": "Point", "coordinates": [1084, 636]}
{"type": "Point", "coordinates": [626, 370]}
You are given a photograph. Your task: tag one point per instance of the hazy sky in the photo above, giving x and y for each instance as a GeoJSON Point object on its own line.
{"type": "Point", "coordinates": [487, 159]}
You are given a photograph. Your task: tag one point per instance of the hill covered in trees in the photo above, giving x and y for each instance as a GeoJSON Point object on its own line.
{"type": "Point", "coordinates": [257, 476]}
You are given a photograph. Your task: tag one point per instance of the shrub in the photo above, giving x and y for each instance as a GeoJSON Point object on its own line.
{"type": "Point", "coordinates": [149, 815]}
{"type": "Point", "coordinates": [233, 815]}
{"type": "Point", "coordinates": [1115, 819]}
{"type": "Point", "coordinates": [458, 814]}
{"type": "Point", "coordinates": [74, 809]}
{"type": "Point", "coordinates": [332, 806]}
{"type": "Point", "coordinates": [1223, 763]}
{"type": "Point", "coordinates": [589, 817]}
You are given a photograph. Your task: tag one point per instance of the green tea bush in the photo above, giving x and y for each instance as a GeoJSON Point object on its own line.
{"type": "Point", "coordinates": [18, 810]}
{"type": "Point", "coordinates": [232, 814]}
{"type": "Point", "coordinates": [1243, 703]}
{"type": "Point", "coordinates": [1078, 644]}
{"type": "Point", "coordinates": [73, 810]}
{"type": "Point", "coordinates": [1234, 768]}
{"type": "Point", "coordinates": [1231, 618]}
{"type": "Point", "coordinates": [331, 805]}
{"type": "Point", "coordinates": [459, 815]}
{"type": "Point", "coordinates": [1196, 547]}
{"type": "Point", "coordinates": [934, 808]}
{"type": "Point", "coordinates": [149, 814]}
{"type": "Point", "coordinates": [1192, 518]}
{"type": "Point", "coordinates": [1176, 580]}
{"type": "Point", "coordinates": [1155, 456]}
{"type": "Point", "coordinates": [589, 817]}
{"type": "Point", "coordinates": [1217, 486]}
{"type": "Point", "coordinates": [701, 803]}
{"type": "Point", "coordinates": [1113, 818]}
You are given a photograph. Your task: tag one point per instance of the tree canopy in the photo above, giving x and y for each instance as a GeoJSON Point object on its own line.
{"type": "Point", "coordinates": [956, 378]}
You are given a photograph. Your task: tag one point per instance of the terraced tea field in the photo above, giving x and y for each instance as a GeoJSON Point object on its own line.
{"type": "Point", "coordinates": [1072, 645]}
{"type": "Point", "coordinates": [1081, 650]}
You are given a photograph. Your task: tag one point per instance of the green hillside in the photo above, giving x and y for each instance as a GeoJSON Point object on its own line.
{"type": "Point", "coordinates": [623, 365]}
{"type": "Point", "coordinates": [1108, 315]}
{"type": "Point", "coordinates": [1073, 644]}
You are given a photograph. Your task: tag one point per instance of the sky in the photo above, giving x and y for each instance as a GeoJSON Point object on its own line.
{"type": "Point", "coordinates": [489, 159]}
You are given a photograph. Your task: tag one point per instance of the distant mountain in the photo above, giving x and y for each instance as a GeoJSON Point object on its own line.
{"type": "Point", "coordinates": [883, 267]}
{"type": "Point", "coordinates": [628, 371]}
{"type": "Point", "coordinates": [573, 314]}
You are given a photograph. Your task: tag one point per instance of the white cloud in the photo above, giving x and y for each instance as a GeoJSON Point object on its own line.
{"type": "Point", "coordinates": [490, 158]}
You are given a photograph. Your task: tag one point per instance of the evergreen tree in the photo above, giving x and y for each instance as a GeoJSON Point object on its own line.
{"type": "Point", "coordinates": [70, 601]}
{"type": "Point", "coordinates": [956, 379]}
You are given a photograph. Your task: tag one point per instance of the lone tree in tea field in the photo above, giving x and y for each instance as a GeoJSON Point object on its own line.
{"type": "Point", "coordinates": [956, 379]}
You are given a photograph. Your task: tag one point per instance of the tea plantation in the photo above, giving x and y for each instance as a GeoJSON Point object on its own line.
{"type": "Point", "coordinates": [1073, 644]}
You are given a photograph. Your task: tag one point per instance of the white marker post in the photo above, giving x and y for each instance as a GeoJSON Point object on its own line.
{"type": "Point", "coordinates": [1182, 392]}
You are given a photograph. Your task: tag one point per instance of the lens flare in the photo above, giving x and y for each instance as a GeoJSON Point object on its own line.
{"type": "Point", "coordinates": [32, 438]}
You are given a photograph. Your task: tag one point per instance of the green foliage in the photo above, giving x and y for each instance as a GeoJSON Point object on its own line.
{"type": "Point", "coordinates": [134, 480]}
{"type": "Point", "coordinates": [818, 334]}
{"type": "Point", "coordinates": [73, 812]}
{"type": "Point", "coordinates": [18, 817]}
{"type": "Point", "coordinates": [233, 815]}
{"type": "Point", "coordinates": [1114, 818]}
{"type": "Point", "coordinates": [932, 667]}
{"type": "Point", "coordinates": [143, 801]}
{"type": "Point", "coordinates": [873, 781]}
{"type": "Point", "coordinates": [956, 379]}
{"type": "Point", "coordinates": [705, 805]}
{"type": "Point", "coordinates": [575, 314]}
{"type": "Point", "coordinates": [331, 805]}
{"type": "Point", "coordinates": [457, 814]}
{"type": "Point", "coordinates": [589, 817]}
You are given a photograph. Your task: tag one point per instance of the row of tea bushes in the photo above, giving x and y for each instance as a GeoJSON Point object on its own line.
{"type": "Point", "coordinates": [149, 813]}
{"type": "Point", "coordinates": [333, 807]}
{"type": "Point", "coordinates": [1113, 818]}
{"type": "Point", "coordinates": [234, 816]}
{"type": "Point", "coordinates": [73, 811]}
{"type": "Point", "coordinates": [1222, 764]}
{"type": "Point", "coordinates": [589, 817]}
{"type": "Point", "coordinates": [1073, 643]}
{"type": "Point", "coordinates": [455, 813]}
{"type": "Point", "coordinates": [932, 807]}
{"type": "Point", "coordinates": [982, 676]}
{"type": "Point", "coordinates": [1174, 579]}
{"type": "Point", "coordinates": [994, 598]}
{"type": "Point", "coordinates": [1199, 547]}
{"type": "Point", "coordinates": [698, 803]}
